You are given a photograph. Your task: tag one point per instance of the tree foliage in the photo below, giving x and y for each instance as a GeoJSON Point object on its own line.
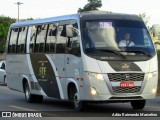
{"type": "Point", "coordinates": [91, 5]}
{"type": "Point", "coordinates": [155, 30]}
{"type": "Point", "coordinates": [5, 23]}
{"type": "Point", "coordinates": [145, 18]}
{"type": "Point", "coordinates": [26, 19]}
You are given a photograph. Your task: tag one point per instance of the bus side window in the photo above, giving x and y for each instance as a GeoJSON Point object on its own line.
{"type": "Point", "coordinates": [40, 39]}
{"type": "Point", "coordinates": [61, 39]}
{"type": "Point", "coordinates": [9, 39]}
{"type": "Point", "coordinates": [32, 39]}
{"type": "Point", "coordinates": [13, 41]}
{"type": "Point", "coordinates": [51, 39]}
{"type": "Point", "coordinates": [22, 40]}
{"type": "Point", "coordinates": [73, 44]}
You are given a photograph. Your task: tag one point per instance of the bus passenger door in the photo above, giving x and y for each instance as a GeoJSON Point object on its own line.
{"type": "Point", "coordinates": [73, 62]}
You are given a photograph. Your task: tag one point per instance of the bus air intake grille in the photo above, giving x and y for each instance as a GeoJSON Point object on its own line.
{"type": "Point", "coordinates": [121, 77]}
{"type": "Point", "coordinates": [135, 89]}
{"type": "Point", "coordinates": [128, 98]}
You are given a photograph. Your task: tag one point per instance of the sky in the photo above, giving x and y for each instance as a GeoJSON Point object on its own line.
{"type": "Point", "coordinates": [50, 8]}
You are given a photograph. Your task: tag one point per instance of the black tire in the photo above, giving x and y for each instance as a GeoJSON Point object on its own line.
{"type": "Point", "coordinates": [77, 104]}
{"type": "Point", "coordinates": [38, 98]}
{"type": "Point", "coordinates": [138, 104]}
{"type": "Point", "coordinates": [30, 98]}
{"type": "Point", "coordinates": [5, 82]}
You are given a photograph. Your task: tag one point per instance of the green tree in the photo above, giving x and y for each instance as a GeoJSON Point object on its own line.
{"type": "Point", "coordinates": [5, 23]}
{"type": "Point", "coordinates": [155, 32]}
{"type": "Point", "coordinates": [91, 5]}
{"type": "Point", "coordinates": [145, 18]}
{"type": "Point", "coordinates": [26, 19]}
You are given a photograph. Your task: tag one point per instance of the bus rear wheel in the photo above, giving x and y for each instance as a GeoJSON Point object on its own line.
{"type": "Point", "coordinates": [30, 98]}
{"type": "Point", "coordinates": [138, 104]}
{"type": "Point", "coordinates": [5, 81]}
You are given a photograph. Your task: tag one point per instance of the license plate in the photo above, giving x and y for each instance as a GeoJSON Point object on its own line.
{"type": "Point", "coordinates": [127, 84]}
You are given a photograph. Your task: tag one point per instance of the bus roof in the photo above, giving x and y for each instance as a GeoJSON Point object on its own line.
{"type": "Point", "coordinates": [83, 16]}
{"type": "Point", "coordinates": [44, 20]}
{"type": "Point", "coordinates": [109, 15]}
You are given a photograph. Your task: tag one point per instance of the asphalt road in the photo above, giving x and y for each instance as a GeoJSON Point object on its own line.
{"type": "Point", "coordinates": [15, 101]}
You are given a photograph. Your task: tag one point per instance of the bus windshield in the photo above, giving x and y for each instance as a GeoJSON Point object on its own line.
{"type": "Point", "coordinates": [110, 37]}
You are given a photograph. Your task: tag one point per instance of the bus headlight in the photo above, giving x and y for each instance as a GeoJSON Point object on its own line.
{"type": "Point", "coordinates": [93, 91]}
{"type": "Point", "coordinates": [98, 76]}
{"type": "Point", "coordinates": [154, 90]}
{"type": "Point", "coordinates": [150, 75]}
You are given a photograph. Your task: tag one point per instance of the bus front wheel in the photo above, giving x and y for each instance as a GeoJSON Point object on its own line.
{"type": "Point", "coordinates": [138, 104]}
{"type": "Point", "coordinates": [30, 98]}
{"type": "Point", "coordinates": [77, 103]}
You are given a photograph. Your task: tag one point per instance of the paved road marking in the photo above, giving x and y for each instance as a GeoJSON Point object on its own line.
{"type": "Point", "coordinates": [4, 87]}
{"type": "Point", "coordinates": [152, 107]}
{"type": "Point", "coordinates": [21, 108]}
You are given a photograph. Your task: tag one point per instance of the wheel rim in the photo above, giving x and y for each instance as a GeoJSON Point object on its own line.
{"type": "Point", "coordinates": [27, 92]}
{"type": "Point", "coordinates": [76, 100]}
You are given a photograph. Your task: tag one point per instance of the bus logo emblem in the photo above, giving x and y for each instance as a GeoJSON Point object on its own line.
{"type": "Point", "coordinates": [43, 62]}
{"type": "Point", "coordinates": [127, 76]}
{"type": "Point", "coordinates": [125, 66]}
{"type": "Point", "coordinates": [42, 69]}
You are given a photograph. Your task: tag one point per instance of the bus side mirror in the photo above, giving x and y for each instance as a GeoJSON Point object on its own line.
{"type": "Point", "coordinates": [69, 31]}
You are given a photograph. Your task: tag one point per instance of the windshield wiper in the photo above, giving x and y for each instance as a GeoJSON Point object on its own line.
{"type": "Point", "coordinates": [112, 51]}
{"type": "Point", "coordinates": [143, 52]}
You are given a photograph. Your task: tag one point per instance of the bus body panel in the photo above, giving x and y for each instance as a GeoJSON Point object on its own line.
{"type": "Point", "coordinates": [74, 72]}
{"type": "Point", "coordinates": [20, 69]}
{"type": "Point", "coordinates": [15, 64]}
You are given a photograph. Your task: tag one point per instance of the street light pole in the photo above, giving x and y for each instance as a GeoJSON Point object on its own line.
{"type": "Point", "coordinates": [18, 3]}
